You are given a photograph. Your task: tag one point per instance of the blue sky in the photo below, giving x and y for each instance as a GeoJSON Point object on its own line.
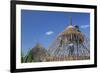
{"type": "Point", "coordinates": [43, 26]}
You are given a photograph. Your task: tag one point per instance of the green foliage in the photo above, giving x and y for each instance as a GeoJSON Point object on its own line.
{"type": "Point", "coordinates": [22, 57]}
{"type": "Point", "coordinates": [29, 57]}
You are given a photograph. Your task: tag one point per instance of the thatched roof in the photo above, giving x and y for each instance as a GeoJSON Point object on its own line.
{"type": "Point", "coordinates": [39, 52]}
{"type": "Point", "coordinates": [71, 32]}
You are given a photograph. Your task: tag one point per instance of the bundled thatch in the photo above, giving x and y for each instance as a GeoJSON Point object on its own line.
{"type": "Point", "coordinates": [36, 54]}
{"type": "Point", "coordinates": [39, 53]}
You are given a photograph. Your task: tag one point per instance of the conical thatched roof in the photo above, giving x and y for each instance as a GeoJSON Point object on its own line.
{"type": "Point", "coordinates": [71, 33]}
{"type": "Point", "coordinates": [39, 52]}
{"type": "Point", "coordinates": [69, 43]}
{"type": "Point", "coordinates": [38, 48]}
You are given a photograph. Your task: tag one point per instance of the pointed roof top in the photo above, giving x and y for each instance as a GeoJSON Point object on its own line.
{"type": "Point", "coordinates": [70, 20]}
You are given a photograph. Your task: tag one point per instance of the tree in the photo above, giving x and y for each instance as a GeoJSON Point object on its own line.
{"type": "Point", "coordinates": [22, 57]}
{"type": "Point", "coordinates": [29, 56]}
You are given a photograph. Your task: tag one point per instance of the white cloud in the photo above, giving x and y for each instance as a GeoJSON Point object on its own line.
{"type": "Point", "coordinates": [84, 26]}
{"type": "Point", "coordinates": [49, 33]}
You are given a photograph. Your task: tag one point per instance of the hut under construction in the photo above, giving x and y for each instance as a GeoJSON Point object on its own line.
{"type": "Point", "coordinates": [71, 44]}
